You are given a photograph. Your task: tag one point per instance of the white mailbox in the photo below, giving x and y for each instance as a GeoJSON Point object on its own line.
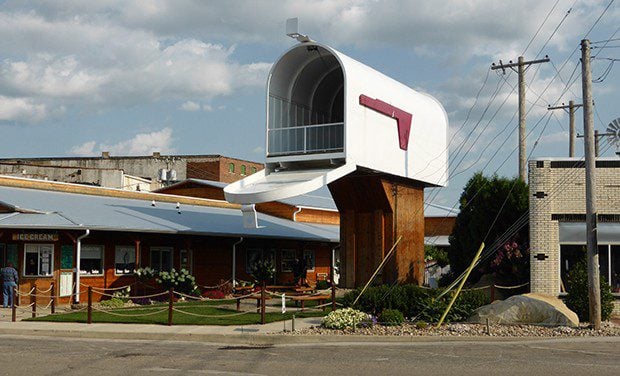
{"type": "Point", "coordinates": [329, 115]}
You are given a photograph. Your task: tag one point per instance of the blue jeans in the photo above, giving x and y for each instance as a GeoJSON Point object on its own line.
{"type": "Point", "coordinates": [7, 292]}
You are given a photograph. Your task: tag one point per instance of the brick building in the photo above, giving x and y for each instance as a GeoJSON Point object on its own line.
{"type": "Point", "coordinates": [557, 221]}
{"type": "Point", "coordinates": [130, 172]}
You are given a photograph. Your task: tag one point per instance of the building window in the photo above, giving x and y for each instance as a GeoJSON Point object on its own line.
{"type": "Point", "coordinates": [609, 263]}
{"type": "Point", "coordinates": [124, 260]}
{"type": "Point", "coordinates": [253, 169]}
{"type": "Point", "coordinates": [185, 256]}
{"type": "Point", "coordinates": [91, 260]}
{"type": "Point", "coordinates": [309, 257]}
{"type": "Point", "coordinates": [287, 261]}
{"type": "Point", "coordinates": [161, 259]}
{"type": "Point", "coordinates": [38, 260]}
{"type": "Point", "coordinates": [253, 255]}
{"type": "Point", "coordinates": [231, 168]}
{"type": "Point", "coordinates": [243, 170]}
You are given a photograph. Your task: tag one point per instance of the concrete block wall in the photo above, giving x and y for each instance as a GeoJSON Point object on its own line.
{"type": "Point", "coordinates": [561, 190]}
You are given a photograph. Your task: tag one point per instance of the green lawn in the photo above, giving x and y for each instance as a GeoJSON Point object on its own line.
{"type": "Point", "coordinates": [220, 316]}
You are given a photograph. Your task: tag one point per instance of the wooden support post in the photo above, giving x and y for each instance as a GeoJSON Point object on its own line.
{"type": "Point", "coordinates": [332, 272]}
{"type": "Point", "coordinates": [170, 305]}
{"type": "Point", "coordinates": [262, 303]}
{"type": "Point", "coordinates": [13, 306]}
{"type": "Point", "coordinates": [89, 317]}
{"type": "Point", "coordinates": [53, 297]}
{"type": "Point", "coordinates": [33, 301]}
{"type": "Point", "coordinates": [492, 293]}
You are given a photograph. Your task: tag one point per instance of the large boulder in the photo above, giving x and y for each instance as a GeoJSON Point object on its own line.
{"type": "Point", "coordinates": [526, 309]}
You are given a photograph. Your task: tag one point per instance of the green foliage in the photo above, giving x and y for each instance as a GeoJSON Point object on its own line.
{"type": "Point", "coordinates": [421, 324]}
{"type": "Point", "coordinates": [481, 201]}
{"type": "Point", "coordinates": [180, 281]}
{"type": "Point", "coordinates": [511, 264]}
{"type": "Point", "coordinates": [113, 303]}
{"type": "Point", "coordinates": [263, 270]}
{"type": "Point", "coordinates": [346, 318]}
{"type": "Point", "coordinates": [578, 300]}
{"type": "Point", "coordinates": [436, 254]}
{"type": "Point", "coordinates": [415, 302]}
{"type": "Point", "coordinates": [322, 285]}
{"type": "Point", "coordinates": [391, 317]}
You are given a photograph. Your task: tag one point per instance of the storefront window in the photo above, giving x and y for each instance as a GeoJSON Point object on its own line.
{"type": "Point", "coordinates": [609, 263]}
{"type": "Point", "coordinates": [288, 260]}
{"type": "Point", "coordinates": [309, 257]}
{"type": "Point", "coordinates": [91, 260]}
{"type": "Point", "coordinates": [255, 254]}
{"type": "Point", "coordinates": [38, 260]}
{"type": "Point", "coordinates": [124, 260]}
{"type": "Point", "coordinates": [161, 259]}
{"type": "Point", "coordinates": [615, 269]}
{"type": "Point", "coordinates": [186, 260]}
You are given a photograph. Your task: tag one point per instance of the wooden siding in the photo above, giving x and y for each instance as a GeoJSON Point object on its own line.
{"type": "Point", "coordinates": [375, 211]}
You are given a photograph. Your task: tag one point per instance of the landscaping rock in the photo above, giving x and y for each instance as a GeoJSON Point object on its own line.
{"type": "Point", "coordinates": [526, 309]}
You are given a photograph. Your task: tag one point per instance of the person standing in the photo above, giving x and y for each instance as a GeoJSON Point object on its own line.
{"type": "Point", "coordinates": [9, 281]}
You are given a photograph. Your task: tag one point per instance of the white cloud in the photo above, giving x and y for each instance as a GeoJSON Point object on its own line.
{"type": "Point", "coordinates": [190, 106]}
{"type": "Point", "coordinates": [21, 110]}
{"type": "Point", "coordinates": [140, 144]}
{"type": "Point", "coordinates": [258, 150]}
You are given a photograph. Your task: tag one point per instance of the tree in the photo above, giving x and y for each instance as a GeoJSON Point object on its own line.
{"type": "Point", "coordinates": [481, 202]}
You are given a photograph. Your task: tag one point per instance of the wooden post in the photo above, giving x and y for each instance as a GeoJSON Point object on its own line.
{"type": "Point", "coordinates": [13, 309]}
{"type": "Point", "coordinates": [332, 272]}
{"type": "Point", "coordinates": [492, 293]}
{"type": "Point", "coordinates": [262, 303]}
{"type": "Point", "coordinates": [170, 305]}
{"type": "Point", "coordinates": [33, 301]}
{"type": "Point", "coordinates": [89, 317]}
{"type": "Point", "coordinates": [53, 297]}
{"type": "Point", "coordinates": [594, 287]}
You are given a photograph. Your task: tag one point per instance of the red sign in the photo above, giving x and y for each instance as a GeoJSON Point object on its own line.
{"type": "Point", "coordinates": [403, 118]}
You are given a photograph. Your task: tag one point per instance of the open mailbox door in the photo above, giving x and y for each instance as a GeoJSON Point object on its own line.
{"type": "Point", "coordinates": [329, 115]}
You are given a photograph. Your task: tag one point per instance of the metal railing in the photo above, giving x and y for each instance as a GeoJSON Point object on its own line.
{"type": "Point", "coordinates": [298, 129]}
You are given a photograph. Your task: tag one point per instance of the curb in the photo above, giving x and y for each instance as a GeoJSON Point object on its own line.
{"type": "Point", "coordinates": [278, 339]}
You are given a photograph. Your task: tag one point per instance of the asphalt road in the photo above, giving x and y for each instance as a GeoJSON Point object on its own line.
{"type": "Point", "coordinates": [21, 355]}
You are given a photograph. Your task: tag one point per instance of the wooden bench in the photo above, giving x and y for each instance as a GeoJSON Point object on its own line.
{"type": "Point", "coordinates": [303, 299]}
{"type": "Point", "coordinates": [255, 297]}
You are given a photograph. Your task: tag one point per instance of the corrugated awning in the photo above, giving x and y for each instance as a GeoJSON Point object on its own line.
{"type": "Point", "coordinates": [575, 233]}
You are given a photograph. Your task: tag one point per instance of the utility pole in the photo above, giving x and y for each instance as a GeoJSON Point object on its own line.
{"type": "Point", "coordinates": [571, 122]}
{"type": "Point", "coordinates": [594, 279]}
{"type": "Point", "coordinates": [521, 67]}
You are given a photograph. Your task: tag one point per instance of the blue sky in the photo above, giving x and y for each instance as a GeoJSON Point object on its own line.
{"type": "Point", "coordinates": [187, 77]}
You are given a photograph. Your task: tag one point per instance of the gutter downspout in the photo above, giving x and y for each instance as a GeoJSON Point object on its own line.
{"type": "Point", "coordinates": [299, 209]}
{"type": "Point", "coordinates": [234, 262]}
{"type": "Point", "coordinates": [77, 266]}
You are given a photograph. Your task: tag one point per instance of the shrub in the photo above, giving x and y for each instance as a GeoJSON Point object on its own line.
{"type": "Point", "coordinates": [391, 317]}
{"type": "Point", "coordinates": [346, 318]}
{"type": "Point", "coordinates": [180, 281]}
{"type": "Point", "coordinates": [577, 298]}
{"type": "Point", "coordinates": [421, 324]}
{"type": "Point", "coordinates": [225, 287]}
{"type": "Point", "coordinates": [322, 285]}
{"type": "Point", "coordinates": [113, 303]}
{"type": "Point", "coordinates": [213, 294]}
{"type": "Point", "coordinates": [416, 303]}
{"type": "Point", "coordinates": [145, 274]}
{"type": "Point", "coordinates": [263, 270]}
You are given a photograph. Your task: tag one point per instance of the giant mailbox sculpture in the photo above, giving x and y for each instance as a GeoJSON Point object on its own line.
{"type": "Point", "coordinates": [375, 142]}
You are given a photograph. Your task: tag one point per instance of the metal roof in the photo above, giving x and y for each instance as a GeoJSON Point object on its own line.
{"type": "Point", "coordinates": [61, 210]}
{"type": "Point", "coordinates": [319, 199]}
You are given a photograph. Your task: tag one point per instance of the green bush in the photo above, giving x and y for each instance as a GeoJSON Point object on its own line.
{"type": "Point", "coordinates": [578, 300]}
{"type": "Point", "coordinates": [322, 285]}
{"type": "Point", "coordinates": [180, 281]}
{"type": "Point", "coordinates": [415, 302]}
{"type": "Point", "coordinates": [346, 318]}
{"type": "Point", "coordinates": [391, 317]}
{"type": "Point", "coordinates": [113, 303]}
